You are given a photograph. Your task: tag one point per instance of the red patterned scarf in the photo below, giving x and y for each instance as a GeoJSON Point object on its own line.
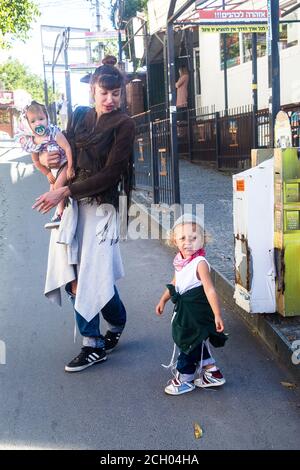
{"type": "Point", "coordinates": [180, 262]}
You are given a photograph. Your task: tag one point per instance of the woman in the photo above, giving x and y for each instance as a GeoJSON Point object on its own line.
{"type": "Point", "coordinates": [84, 254]}
{"type": "Point", "coordinates": [182, 88]}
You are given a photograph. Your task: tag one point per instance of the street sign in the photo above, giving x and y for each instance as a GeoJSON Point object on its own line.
{"type": "Point", "coordinates": [233, 16]}
{"type": "Point", "coordinates": [83, 66]}
{"type": "Point", "coordinates": [231, 28]}
{"type": "Point", "coordinates": [6, 98]}
{"type": "Point", "coordinates": [228, 21]}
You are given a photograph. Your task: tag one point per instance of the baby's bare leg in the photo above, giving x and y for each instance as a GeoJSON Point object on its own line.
{"type": "Point", "coordinates": [74, 286]}
{"type": "Point", "coordinates": [59, 183]}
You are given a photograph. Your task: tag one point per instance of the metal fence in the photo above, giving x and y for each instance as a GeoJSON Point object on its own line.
{"type": "Point", "coordinates": [163, 185]}
{"type": "Point", "coordinates": [152, 157]}
{"type": "Point", "coordinates": [235, 136]}
{"type": "Point", "coordinates": [143, 152]}
{"type": "Point", "coordinates": [224, 139]}
{"type": "Point", "coordinates": [203, 136]}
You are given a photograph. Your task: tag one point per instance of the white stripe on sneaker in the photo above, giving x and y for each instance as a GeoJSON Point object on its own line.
{"type": "Point", "coordinates": [94, 356]}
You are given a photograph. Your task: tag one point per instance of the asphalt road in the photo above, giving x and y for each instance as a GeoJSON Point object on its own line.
{"type": "Point", "coordinates": [119, 404]}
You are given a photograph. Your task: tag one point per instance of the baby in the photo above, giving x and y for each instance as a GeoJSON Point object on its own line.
{"type": "Point", "coordinates": [36, 135]}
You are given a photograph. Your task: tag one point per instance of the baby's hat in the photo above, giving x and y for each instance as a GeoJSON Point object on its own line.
{"type": "Point", "coordinates": [23, 125]}
{"type": "Point", "coordinates": [188, 218]}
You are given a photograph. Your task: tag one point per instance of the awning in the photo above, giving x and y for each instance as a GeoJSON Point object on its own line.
{"type": "Point", "coordinates": [155, 46]}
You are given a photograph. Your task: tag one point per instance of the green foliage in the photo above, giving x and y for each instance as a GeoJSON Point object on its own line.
{"type": "Point", "coordinates": [128, 8]}
{"type": "Point", "coordinates": [111, 47]}
{"type": "Point", "coordinates": [15, 19]}
{"type": "Point", "coordinates": [14, 76]}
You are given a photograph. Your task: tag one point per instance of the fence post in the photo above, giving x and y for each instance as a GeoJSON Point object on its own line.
{"type": "Point", "coordinates": [190, 135]}
{"type": "Point", "coordinates": [254, 91]}
{"type": "Point", "coordinates": [255, 129]}
{"type": "Point", "coordinates": [154, 164]}
{"type": "Point", "coordinates": [217, 124]}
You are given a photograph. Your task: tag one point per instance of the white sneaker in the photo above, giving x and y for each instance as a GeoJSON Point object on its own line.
{"type": "Point", "coordinates": [177, 387]}
{"type": "Point", "coordinates": [210, 379]}
{"type": "Point", "coordinates": [54, 222]}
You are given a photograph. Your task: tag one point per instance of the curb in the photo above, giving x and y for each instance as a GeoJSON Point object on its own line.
{"type": "Point", "coordinates": [260, 325]}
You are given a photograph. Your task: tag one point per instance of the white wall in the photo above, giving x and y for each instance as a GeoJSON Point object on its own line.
{"type": "Point", "coordinates": [240, 77]}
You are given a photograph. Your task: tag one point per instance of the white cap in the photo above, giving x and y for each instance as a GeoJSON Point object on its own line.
{"type": "Point", "coordinates": [188, 219]}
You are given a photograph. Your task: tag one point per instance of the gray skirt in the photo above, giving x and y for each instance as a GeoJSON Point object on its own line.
{"type": "Point", "coordinates": [85, 247]}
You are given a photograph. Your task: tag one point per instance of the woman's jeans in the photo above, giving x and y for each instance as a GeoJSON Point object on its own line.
{"type": "Point", "coordinates": [113, 312]}
{"type": "Point", "coordinates": [188, 363]}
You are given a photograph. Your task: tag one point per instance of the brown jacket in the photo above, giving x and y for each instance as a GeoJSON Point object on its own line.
{"type": "Point", "coordinates": [103, 152]}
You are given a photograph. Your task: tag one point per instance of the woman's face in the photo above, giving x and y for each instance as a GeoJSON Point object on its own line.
{"type": "Point", "coordinates": [106, 100]}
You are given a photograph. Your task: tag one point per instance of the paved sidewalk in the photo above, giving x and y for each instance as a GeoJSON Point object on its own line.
{"type": "Point", "coordinates": [200, 185]}
{"type": "Point", "coordinates": [119, 404]}
{"type": "Point", "coordinates": [203, 185]}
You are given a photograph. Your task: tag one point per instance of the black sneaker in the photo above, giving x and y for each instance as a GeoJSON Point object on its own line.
{"type": "Point", "coordinates": [87, 357]}
{"type": "Point", "coordinates": [111, 340]}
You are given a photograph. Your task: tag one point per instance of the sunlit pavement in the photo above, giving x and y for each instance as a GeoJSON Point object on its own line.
{"type": "Point", "coordinates": [119, 404]}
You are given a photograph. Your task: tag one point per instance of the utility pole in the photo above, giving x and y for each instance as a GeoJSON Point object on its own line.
{"type": "Point", "coordinates": [100, 45]}
{"type": "Point", "coordinates": [274, 64]}
{"type": "Point", "coordinates": [97, 15]}
{"type": "Point", "coordinates": [45, 83]}
{"type": "Point", "coordinates": [118, 24]}
{"type": "Point", "coordinates": [171, 93]}
{"type": "Point", "coordinates": [66, 35]}
{"type": "Point", "coordinates": [119, 36]}
{"type": "Point", "coordinates": [44, 70]}
{"type": "Point", "coordinates": [225, 65]}
{"type": "Point", "coordinates": [172, 106]}
{"type": "Point", "coordinates": [98, 26]}
{"type": "Point", "coordinates": [254, 90]}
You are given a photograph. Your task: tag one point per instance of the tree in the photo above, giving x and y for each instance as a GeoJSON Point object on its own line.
{"type": "Point", "coordinates": [128, 9]}
{"type": "Point", "coordinates": [14, 76]}
{"type": "Point", "coordinates": [15, 19]}
{"type": "Point", "coordinates": [110, 48]}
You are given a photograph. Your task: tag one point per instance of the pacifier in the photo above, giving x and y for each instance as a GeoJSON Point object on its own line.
{"type": "Point", "coordinates": [40, 130]}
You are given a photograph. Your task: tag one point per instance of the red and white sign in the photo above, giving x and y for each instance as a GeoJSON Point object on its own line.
{"type": "Point", "coordinates": [232, 16]}
{"type": "Point", "coordinates": [105, 35]}
{"type": "Point", "coordinates": [6, 98]}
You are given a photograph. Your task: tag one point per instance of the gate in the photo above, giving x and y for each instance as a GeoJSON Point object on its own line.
{"type": "Point", "coordinates": [142, 153]}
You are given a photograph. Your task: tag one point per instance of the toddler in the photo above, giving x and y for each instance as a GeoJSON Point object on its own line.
{"type": "Point", "coordinates": [197, 314]}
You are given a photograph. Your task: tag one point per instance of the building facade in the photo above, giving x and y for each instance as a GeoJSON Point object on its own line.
{"type": "Point", "coordinates": [208, 62]}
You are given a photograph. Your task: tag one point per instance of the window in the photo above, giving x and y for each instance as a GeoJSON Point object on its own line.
{"type": "Point", "coordinates": [287, 35]}
{"type": "Point", "coordinates": [247, 45]}
{"type": "Point", "coordinates": [233, 49]}
{"type": "Point", "coordinates": [197, 71]}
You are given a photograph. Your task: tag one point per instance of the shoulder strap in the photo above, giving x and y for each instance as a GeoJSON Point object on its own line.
{"type": "Point", "coordinates": [76, 119]}
{"type": "Point", "coordinates": [73, 124]}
